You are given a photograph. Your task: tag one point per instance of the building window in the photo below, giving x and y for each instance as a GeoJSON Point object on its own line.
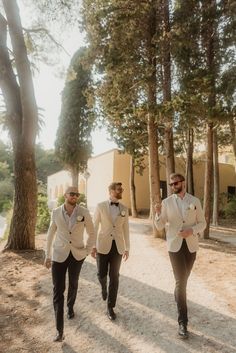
{"type": "Point", "coordinates": [231, 191]}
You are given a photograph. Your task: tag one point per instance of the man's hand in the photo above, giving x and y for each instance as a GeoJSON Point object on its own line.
{"type": "Point", "coordinates": [94, 253]}
{"type": "Point", "coordinates": [126, 255]}
{"type": "Point", "coordinates": [158, 208]}
{"type": "Point", "coordinates": [185, 233]}
{"type": "Point", "coordinates": [47, 263]}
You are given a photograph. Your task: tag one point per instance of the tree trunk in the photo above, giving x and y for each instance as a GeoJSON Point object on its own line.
{"type": "Point", "coordinates": [22, 228]}
{"type": "Point", "coordinates": [74, 176]}
{"type": "Point", "coordinates": [22, 120]}
{"type": "Point", "coordinates": [209, 32]}
{"type": "Point", "coordinates": [134, 212]}
{"type": "Point", "coordinates": [189, 162]}
{"type": "Point", "coordinates": [208, 179]}
{"type": "Point", "coordinates": [154, 178]}
{"type": "Point", "coordinates": [153, 156]}
{"type": "Point", "coordinates": [166, 87]}
{"type": "Point", "coordinates": [233, 139]}
{"type": "Point", "coordinates": [216, 193]}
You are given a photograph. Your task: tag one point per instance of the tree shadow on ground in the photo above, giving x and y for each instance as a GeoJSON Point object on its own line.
{"type": "Point", "coordinates": [218, 246]}
{"type": "Point", "coordinates": [155, 320]}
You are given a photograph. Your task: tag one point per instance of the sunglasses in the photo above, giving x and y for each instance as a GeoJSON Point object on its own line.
{"type": "Point", "coordinates": [72, 194]}
{"type": "Point", "coordinates": [176, 183]}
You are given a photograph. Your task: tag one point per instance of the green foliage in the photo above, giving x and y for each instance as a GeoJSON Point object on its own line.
{"type": "Point", "coordinates": [6, 155]}
{"type": "Point", "coordinates": [8, 222]}
{"type": "Point", "coordinates": [43, 214]}
{"type": "Point", "coordinates": [81, 200]}
{"type": "Point", "coordinates": [229, 209]}
{"type": "Point", "coordinates": [6, 195]}
{"type": "Point", "coordinates": [73, 143]}
{"type": "Point", "coordinates": [46, 163]}
{"type": "Point", "coordinates": [4, 171]}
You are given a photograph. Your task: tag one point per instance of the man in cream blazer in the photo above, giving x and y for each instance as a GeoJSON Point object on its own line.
{"type": "Point", "coordinates": [66, 249]}
{"type": "Point", "coordinates": [182, 216]}
{"type": "Point", "coordinates": [112, 242]}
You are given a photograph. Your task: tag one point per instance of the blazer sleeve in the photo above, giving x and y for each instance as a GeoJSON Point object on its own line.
{"type": "Point", "coordinates": [90, 231]}
{"type": "Point", "coordinates": [200, 219]}
{"type": "Point", "coordinates": [161, 220]}
{"type": "Point", "coordinates": [96, 221]}
{"type": "Point", "coordinates": [50, 236]}
{"type": "Point", "coordinates": [126, 230]}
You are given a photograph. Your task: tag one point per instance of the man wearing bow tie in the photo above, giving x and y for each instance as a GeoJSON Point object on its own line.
{"type": "Point", "coordinates": [183, 217]}
{"type": "Point", "coordinates": [112, 243]}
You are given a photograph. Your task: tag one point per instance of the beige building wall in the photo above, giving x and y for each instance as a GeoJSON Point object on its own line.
{"type": "Point", "coordinates": [121, 174]}
{"type": "Point", "coordinates": [56, 185]}
{"type": "Point", "coordinates": [114, 166]}
{"type": "Point", "coordinates": [100, 170]}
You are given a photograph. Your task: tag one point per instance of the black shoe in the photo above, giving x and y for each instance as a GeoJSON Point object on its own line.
{"type": "Point", "coordinates": [59, 337]}
{"type": "Point", "coordinates": [70, 314]}
{"type": "Point", "coordinates": [111, 314]}
{"type": "Point", "coordinates": [182, 331]}
{"type": "Point", "coordinates": [104, 293]}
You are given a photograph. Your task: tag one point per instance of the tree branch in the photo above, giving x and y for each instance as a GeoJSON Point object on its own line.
{"type": "Point", "coordinates": [45, 31]}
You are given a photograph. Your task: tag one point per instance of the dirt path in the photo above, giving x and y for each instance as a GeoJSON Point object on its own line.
{"type": "Point", "coordinates": [146, 310]}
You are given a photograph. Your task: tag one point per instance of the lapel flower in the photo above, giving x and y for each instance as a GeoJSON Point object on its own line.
{"type": "Point", "coordinates": [122, 213]}
{"type": "Point", "coordinates": [79, 218]}
{"type": "Point", "coordinates": [191, 207]}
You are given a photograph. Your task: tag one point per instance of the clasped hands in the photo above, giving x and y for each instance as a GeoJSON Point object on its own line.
{"type": "Point", "coordinates": [125, 255]}
{"type": "Point", "coordinates": [185, 233]}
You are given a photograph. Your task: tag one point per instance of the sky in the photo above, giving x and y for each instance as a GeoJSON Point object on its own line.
{"type": "Point", "coordinates": [48, 87]}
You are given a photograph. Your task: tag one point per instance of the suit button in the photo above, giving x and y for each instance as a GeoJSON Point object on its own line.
{"type": "Point", "coordinates": [70, 242]}
{"type": "Point", "coordinates": [111, 235]}
{"type": "Point", "coordinates": [70, 232]}
{"type": "Point", "coordinates": [183, 221]}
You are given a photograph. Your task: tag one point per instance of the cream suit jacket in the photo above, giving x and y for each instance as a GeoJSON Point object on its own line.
{"type": "Point", "coordinates": [61, 240]}
{"type": "Point", "coordinates": [106, 230]}
{"type": "Point", "coordinates": [172, 220]}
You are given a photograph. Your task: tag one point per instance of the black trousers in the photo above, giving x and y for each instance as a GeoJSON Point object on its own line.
{"type": "Point", "coordinates": [182, 263]}
{"type": "Point", "coordinates": [59, 270]}
{"type": "Point", "coordinates": [110, 262]}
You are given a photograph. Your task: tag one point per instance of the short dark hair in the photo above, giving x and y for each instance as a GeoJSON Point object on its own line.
{"type": "Point", "coordinates": [177, 175]}
{"type": "Point", "coordinates": [113, 185]}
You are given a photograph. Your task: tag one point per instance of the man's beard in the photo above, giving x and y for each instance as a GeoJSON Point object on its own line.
{"type": "Point", "coordinates": [72, 203]}
{"type": "Point", "coordinates": [177, 191]}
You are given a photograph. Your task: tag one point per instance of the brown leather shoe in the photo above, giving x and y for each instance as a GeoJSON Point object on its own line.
{"type": "Point", "coordinates": [182, 331]}
{"type": "Point", "coordinates": [59, 337]}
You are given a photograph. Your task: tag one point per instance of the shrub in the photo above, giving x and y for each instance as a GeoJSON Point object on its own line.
{"type": "Point", "coordinates": [8, 222]}
{"type": "Point", "coordinates": [6, 195]}
{"type": "Point", "coordinates": [81, 200]}
{"type": "Point", "coordinates": [43, 214]}
{"type": "Point", "coordinates": [230, 208]}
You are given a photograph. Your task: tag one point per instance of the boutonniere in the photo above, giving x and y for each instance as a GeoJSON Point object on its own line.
{"type": "Point", "coordinates": [122, 213]}
{"type": "Point", "coordinates": [191, 207]}
{"type": "Point", "coordinates": [80, 219]}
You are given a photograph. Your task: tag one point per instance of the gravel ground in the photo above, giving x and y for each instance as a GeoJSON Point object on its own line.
{"type": "Point", "coordinates": [146, 311]}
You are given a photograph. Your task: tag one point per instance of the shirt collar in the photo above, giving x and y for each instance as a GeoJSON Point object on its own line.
{"type": "Point", "coordinates": [65, 211]}
{"type": "Point", "coordinates": [178, 197]}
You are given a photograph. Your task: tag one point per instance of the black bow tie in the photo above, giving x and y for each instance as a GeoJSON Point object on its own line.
{"type": "Point", "coordinates": [115, 203]}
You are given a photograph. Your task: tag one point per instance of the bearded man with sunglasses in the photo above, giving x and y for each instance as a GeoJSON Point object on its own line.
{"type": "Point", "coordinates": [182, 216]}
{"type": "Point", "coordinates": [66, 250]}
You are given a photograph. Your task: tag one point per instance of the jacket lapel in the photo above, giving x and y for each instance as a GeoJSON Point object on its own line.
{"type": "Point", "coordinates": [107, 206]}
{"type": "Point", "coordinates": [176, 206]}
{"type": "Point", "coordinates": [62, 217]}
